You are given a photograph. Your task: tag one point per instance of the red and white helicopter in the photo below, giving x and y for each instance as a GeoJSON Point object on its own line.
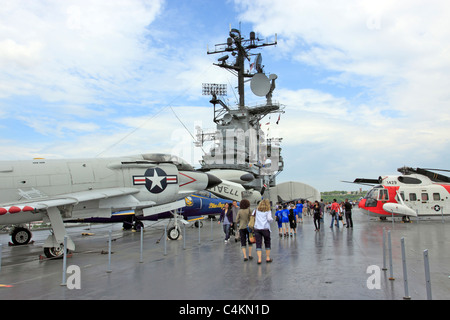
{"type": "Point", "coordinates": [417, 192]}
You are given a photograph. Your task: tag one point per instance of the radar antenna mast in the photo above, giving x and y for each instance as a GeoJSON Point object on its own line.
{"type": "Point", "coordinates": [248, 149]}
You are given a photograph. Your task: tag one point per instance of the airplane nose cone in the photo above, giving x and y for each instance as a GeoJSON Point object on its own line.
{"type": "Point", "coordinates": [247, 177]}
{"type": "Point", "coordinates": [212, 181]}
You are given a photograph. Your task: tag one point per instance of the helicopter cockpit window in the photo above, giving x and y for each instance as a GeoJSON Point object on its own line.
{"type": "Point", "coordinates": [412, 197]}
{"type": "Point", "coordinates": [371, 198]}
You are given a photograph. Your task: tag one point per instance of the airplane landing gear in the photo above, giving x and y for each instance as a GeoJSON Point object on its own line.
{"type": "Point", "coordinates": [54, 252]}
{"type": "Point", "coordinates": [20, 236]}
{"type": "Point", "coordinates": [174, 233]}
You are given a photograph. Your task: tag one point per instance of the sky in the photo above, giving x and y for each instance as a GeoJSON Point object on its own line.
{"type": "Point", "coordinates": [365, 84]}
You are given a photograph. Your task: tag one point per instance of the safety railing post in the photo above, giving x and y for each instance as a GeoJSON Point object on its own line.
{"type": "Point", "coordinates": [427, 274]}
{"type": "Point", "coordinates": [405, 275]}
{"type": "Point", "coordinates": [109, 252]}
{"type": "Point", "coordinates": [384, 249]}
{"type": "Point", "coordinates": [64, 282]}
{"type": "Point", "coordinates": [141, 257]}
{"type": "Point", "coordinates": [390, 257]}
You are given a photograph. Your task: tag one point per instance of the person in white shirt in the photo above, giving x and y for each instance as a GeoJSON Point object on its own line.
{"type": "Point", "coordinates": [263, 218]}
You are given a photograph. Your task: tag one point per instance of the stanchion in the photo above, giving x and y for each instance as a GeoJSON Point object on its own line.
{"type": "Point", "coordinates": [384, 249]}
{"type": "Point", "coordinates": [64, 282]}
{"type": "Point", "coordinates": [1, 247]}
{"type": "Point", "coordinates": [165, 240]}
{"type": "Point", "coordinates": [109, 253]}
{"type": "Point", "coordinates": [405, 275]}
{"type": "Point", "coordinates": [184, 236]}
{"type": "Point", "coordinates": [390, 257]}
{"type": "Point", "coordinates": [211, 229]}
{"type": "Point", "coordinates": [141, 258]}
{"type": "Point", "coordinates": [198, 224]}
{"type": "Point", "coordinates": [427, 273]}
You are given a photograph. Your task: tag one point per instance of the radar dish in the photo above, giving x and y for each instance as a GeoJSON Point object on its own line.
{"type": "Point", "coordinates": [273, 76]}
{"type": "Point", "coordinates": [260, 84]}
{"type": "Point", "coordinates": [227, 118]}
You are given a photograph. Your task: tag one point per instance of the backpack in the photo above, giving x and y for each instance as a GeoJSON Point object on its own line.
{"type": "Point", "coordinates": [251, 223]}
{"type": "Point", "coordinates": [291, 215]}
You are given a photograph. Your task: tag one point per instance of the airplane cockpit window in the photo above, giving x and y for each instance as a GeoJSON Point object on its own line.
{"type": "Point", "coordinates": [164, 157]}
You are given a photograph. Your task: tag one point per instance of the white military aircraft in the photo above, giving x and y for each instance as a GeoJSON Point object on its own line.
{"type": "Point", "coordinates": [59, 190]}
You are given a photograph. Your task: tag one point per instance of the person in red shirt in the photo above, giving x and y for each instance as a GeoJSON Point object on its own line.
{"type": "Point", "coordinates": [335, 212]}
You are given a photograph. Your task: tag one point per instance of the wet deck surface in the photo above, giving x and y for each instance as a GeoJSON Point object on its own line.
{"type": "Point", "coordinates": [330, 264]}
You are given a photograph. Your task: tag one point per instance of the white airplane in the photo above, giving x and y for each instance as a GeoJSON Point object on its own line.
{"type": "Point", "coordinates": [59, 190]}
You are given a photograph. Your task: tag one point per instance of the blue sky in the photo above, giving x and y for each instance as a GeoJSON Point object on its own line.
{"type": "Point", "coordinates": [365, 83]}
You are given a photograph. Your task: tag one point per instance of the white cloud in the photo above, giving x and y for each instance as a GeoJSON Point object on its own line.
{"type": "Point", "coordinates": [72, 50]}
{"type": "Point", "coordinates": [395, 53]}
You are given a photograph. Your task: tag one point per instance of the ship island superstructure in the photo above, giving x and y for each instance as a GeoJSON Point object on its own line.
{"type": "Point", "coordinates": [239, 141]}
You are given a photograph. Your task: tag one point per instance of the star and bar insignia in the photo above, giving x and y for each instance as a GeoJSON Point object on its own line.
{"type": "Point", "coordinates": [155, 180]}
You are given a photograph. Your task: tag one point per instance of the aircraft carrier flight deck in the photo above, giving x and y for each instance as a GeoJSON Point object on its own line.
{"type": "Point", "coordinates": [333, 263]}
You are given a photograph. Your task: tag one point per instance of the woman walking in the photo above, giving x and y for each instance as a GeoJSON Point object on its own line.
{"type": "Point", "coordinates": [242, 219]}
{"type": "Point", "coordinates": [227, 217]}
{"type": "Point", "coordinates": [316, 214]}
{"type": "Point", "coordinates": [263, 218]}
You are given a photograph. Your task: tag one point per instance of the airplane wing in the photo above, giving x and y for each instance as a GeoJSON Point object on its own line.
{"type": "Point", "coordinates": [108, 198]}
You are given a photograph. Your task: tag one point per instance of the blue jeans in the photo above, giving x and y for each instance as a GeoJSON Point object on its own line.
{"type": "Point", "coordinates": [336, 216]}
{"type": "Point", "coordinates": [226, 229]}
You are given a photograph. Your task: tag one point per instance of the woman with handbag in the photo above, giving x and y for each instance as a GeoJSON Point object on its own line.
{"type": "Point", "coordinates": [263, 218]}
{"type": "Point", "coordinates": [227, 217]}
{"type": "Point", "coordinates": [243, 219]}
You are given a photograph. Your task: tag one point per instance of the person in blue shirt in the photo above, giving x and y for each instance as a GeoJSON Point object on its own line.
{"type": "Point", "coordinates": [278, 218]}
{"type": "Point", "coordinates": [285, 220]}
{"type": "Point", "coordinates": [299, 208]}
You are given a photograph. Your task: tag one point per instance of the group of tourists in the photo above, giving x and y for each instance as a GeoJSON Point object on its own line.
{"type": "Point", "coordinates": [254, 226]}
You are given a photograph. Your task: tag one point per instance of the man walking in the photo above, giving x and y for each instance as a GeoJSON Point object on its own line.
{"type": "Point", "coordinates": [334, 213]}
{"type": "Point", "coordinates": [348, 213]}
